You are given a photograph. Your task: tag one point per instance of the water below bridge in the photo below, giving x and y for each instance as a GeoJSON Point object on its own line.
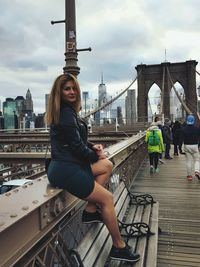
{"type": "Point", "coordinates": [179, 211]}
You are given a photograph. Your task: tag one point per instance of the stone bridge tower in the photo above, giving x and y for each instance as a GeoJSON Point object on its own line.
{"type": "Point", "coordinates": [182, 72]}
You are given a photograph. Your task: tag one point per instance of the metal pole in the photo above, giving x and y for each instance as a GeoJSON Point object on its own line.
{"type": "Point", "coordinates": [71, 51]}
{"type": "Point", "coordinates": [71, 55]}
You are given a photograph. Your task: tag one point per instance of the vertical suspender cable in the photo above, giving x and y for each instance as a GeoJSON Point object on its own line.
{"type": "Point", "coordinates": [177, 94]}
{"type": "Point", "coordinates": [162, 94]}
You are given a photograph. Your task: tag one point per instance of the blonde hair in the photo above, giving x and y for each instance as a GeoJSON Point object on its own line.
{"type": "Point", "coordinates": [54, 102]}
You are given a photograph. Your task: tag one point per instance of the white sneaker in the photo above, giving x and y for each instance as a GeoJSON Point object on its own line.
{"type": "Point", "coordinates": [197, 174]}
{"type": "Point", "coordinates": [151, 169]}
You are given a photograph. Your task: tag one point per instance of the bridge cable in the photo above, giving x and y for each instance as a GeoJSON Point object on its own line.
{"type": "Point", "coordinates": [149, 104]}
{"type": "Point", "coordinates": [178, 96]}
{"type": "Point", "coordinates": [181, 100]}
{"type": "Point", "coordinates": [197, 72]}
{"type": "Point", "coordinates": [112, 100]}
{"type": "Point", "coordinates": [162, 94]}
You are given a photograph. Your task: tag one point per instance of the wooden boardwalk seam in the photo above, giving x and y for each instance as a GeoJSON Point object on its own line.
{"type": "Point", "coordinates": [179, 211]}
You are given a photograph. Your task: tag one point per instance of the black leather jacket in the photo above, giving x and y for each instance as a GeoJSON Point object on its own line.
{"type": "Point", "coordinates": [69, 138]}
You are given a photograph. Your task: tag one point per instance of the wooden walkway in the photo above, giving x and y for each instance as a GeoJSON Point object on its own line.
{"type": "Point", "coordinates": [179, 211]}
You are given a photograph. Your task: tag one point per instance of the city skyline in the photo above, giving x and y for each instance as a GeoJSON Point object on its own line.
{"type": "Point", "coordinates": [121, 34]}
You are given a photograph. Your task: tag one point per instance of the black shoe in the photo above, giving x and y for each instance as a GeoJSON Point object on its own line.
{"type": "Point", "coordinates": [91, 217]}
{"type": "Point", "coordinates": [123, 254]}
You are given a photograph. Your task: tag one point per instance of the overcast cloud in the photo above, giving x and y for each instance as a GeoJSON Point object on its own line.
{"type": "Point", "coordinates": [122, 35]}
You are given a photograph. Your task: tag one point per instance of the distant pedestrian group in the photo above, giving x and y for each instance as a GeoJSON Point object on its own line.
{"type": "Point", "coordinates": [160, 137]}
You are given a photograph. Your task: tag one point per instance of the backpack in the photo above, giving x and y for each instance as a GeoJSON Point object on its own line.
{"type": "Point", "coordinates": [154, 139]}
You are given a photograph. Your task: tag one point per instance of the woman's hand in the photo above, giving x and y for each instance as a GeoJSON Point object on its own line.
{"type": "Point", "coordinates": [98, 147]}
{"type": "Point", "coordinates": [99, 150]}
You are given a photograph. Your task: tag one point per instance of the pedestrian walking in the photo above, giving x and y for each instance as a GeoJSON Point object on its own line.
{"type": "Point", "coordinates": [190, 135]}
{"type": "Point", "coordinates": [167, 134]}
{"type": "Point", "coordinates": [155, 146]}
{"type": "Point", "coordinates": [176, 131]}
{"type": "Point", "coordinates": [78, 166]}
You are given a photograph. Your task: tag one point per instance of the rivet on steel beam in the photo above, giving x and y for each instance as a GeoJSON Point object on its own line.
{"type": "Point", "coordinates": [16, 190]}
{"type": "Point", "coordinates": [52, 190]}
{"type": "Point", "coordinates": [13, 215]}
{"type": "Point", "coordinates": [25, 208]}
{"type": "Point", "coordinates": [35, 201]}
{"type": "Point", "coordinates": [44, 215]}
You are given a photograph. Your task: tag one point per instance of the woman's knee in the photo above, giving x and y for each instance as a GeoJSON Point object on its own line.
{"type": "Point", "coordinates": [101, 195]}
{"type": "Point", "coordinates": [108, 165]}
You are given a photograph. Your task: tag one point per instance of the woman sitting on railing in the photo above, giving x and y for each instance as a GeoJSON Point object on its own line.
{"type": "Point", "coordinates": [78, 166]}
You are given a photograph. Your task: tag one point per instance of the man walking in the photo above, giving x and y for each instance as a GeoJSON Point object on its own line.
{"type": "Point", "coordinates": [190, 135]}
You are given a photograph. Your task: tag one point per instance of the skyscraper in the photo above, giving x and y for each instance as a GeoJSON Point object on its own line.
{"type": "Point", "coordinates": [46, 101]}
{"type": "Point", "coordinates": [102, 94]}
{"type": "Point", "coordinates": [130, 107]}
{"type": "Point", "coordinates": [9, 111]}
{"type": "Point", "coordinates": [29, 103]}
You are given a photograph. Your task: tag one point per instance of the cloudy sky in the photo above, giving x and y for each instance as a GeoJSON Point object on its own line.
{"type": "Point", "coordinates": [122, 34]}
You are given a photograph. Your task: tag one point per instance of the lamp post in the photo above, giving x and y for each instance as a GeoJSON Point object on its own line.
{"type": "Point", "coordinates": [71, 52]}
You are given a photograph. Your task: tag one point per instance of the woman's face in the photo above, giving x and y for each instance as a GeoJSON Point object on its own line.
{"type": "Point", "coordinates": [69, 92]}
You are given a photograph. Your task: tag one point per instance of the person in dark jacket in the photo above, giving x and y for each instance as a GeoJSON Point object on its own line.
{"type": "Point", "coordinates": [176, 131]}
{"type": "Point", "coordinates": [78, 166]}
{"type": "Point", "coordinates": [167, 137]}
{"type": "Point", "coordinates": [190, 135]}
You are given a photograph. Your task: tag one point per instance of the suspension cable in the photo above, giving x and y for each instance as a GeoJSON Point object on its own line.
{"type": "Point", "coordinates": [197, 72]}
{"type": "Point", "coordinates": [177, 94]}
{"type": "Point", "coordinates": [150, 106]}
{"type": "Point", "coordinates": [162, 94]}
{"type": "Point", "coordinates": [112, 100]}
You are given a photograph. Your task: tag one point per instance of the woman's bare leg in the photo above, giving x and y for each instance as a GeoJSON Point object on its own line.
{"type": "Point", "coordinates": [104, 198]}
{"type": "Point", "coordinates": [101, 170]}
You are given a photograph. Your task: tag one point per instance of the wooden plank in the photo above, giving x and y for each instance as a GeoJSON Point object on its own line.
{"type": "Point", "coordinates": [142, 241]}
{"type": "Point", "coordinates": [179, 214]}
{"type": "Point", "coordinates": [151, 258]}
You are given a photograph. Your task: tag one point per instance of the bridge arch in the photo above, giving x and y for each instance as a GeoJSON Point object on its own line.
{"type": "Point", "coordinates": [182, 72]}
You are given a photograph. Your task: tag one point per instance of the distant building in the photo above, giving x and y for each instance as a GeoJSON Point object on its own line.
{"type": "Point", "coordinates": [101, 116]}
{"type": "Point", "coordinates": [29, 103]}
{"type": "Point", "coordinates": [102, 94]}
{"type": "Point", "coordinates": [18, 113]}
{"type": "Point", "coordinates": [1, 121]}
{"type": "Point", "coordinates": [85, 97]}
{"type": "Point", "coordinates": [119, 115]}
{"type": "Point", "coordinates": [130, 111]}
{"type": "Point", "coordinates": [39, 121]}
{"type": "Point", "coordinates": [46, 101]}
{"type": "Point", "coordinates": [9, 111]}
{"type": "Point", "coordinates": [113, 115]}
